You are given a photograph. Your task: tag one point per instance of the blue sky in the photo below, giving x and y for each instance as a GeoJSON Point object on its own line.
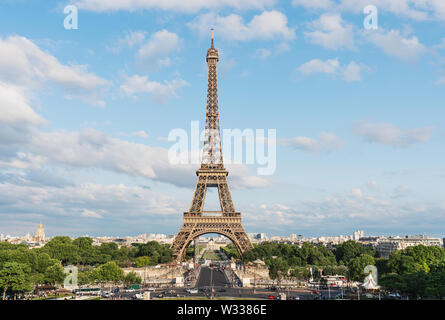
{"type": "Point", "coordinates": [359, 114]}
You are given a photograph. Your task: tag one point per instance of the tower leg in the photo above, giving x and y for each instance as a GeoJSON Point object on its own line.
{"type": "Point", "coordinates": [190, 231]}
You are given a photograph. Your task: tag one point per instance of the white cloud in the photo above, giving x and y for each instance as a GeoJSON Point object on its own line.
{"type": "Point", "coordinates": [395, 44]}
{"type": "Point", "coordinates": [269, 25]}
{"type": "Point", "coordinates": [388, 134]}
{"type": "Point", "coordinates": [440, 81]}
{"type": "Point", "coordinates": [263, 53]}
{"type": "Point", "coordinates": [413, 9]}
{"type": "Point", "coordinates": [115, 208]}
{"type": "Point", "coordinates": [91, 214]}
{"type": "Point", "coordinates": [23, 63]}
{"type": "Point", "coordinates": [327, 142]}
{"type": "Point", "coordinates": [141, 134]}
{"type": "Point", "coordinates": [351, 72]}
{"type": "Point", "coordinates": [240, 178]}
{"type": "Point", "coordinates": [373, 185]}
{"type": "Point", "coordinates": [156, 50]}
{"type": "Point", "coordinates": [15, 108]}
{"type": "Point", "coordinates": [24, 161]}
{"type": "Point", "coordinates": [130, 40]}
{"type": "Point", "coordinates": [93, 149]}
{"type": "Point", "coordinates": [161, 91]}
{"type": "Point", "coordinates": [313, 4]}
{"type": "Point", "coordinates": [405, 8]}
{"type": "Point", "coordinates": [172, 5]}
{"type": "Point", "coordinates": [356, 193]}
{"type": "Point", "coordinates": [401, 191]}
{"type": "Point", "coordinates": [329, 66]}
{"type": "Point", "coordinates": [331, 32]}
{"type": "Point", "coordinates": [337, 214]}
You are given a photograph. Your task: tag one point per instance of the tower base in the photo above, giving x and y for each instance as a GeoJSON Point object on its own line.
{"type": "Point", "coordinates": [195, 226]}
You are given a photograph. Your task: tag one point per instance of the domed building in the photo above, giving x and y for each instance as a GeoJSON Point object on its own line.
{"type": "Point", "coordinates": [40, 234]}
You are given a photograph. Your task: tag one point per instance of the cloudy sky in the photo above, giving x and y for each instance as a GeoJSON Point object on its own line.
{"type": "Point", "coordinates": [359, 114]}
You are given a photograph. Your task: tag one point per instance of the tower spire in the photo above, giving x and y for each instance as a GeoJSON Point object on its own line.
{"type": "Point", "coordinates": [212, 150]}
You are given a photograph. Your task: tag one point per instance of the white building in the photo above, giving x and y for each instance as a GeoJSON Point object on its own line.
{"type": "Point", "coordinates": [388, 246]}
{"type": "Point", "coordinates": [356, 235]}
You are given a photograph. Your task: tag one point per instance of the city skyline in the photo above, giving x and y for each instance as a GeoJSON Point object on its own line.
{"type": "Point", "coordinates": [49, 234]}
{"type": "Point", "coordinates": [85, 115]}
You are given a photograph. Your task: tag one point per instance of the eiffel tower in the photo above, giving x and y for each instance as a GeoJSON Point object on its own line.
{"type": "Point", "coordinates": [212, 174]}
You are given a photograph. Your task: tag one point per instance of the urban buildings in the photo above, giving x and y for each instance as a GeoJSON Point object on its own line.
{"type": "Point", "coordinates": [382, 244]}
{"type": "Point", "coordinates": [387, 246]}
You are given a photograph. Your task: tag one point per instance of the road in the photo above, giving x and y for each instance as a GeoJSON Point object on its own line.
{"type": "Point", "coordinates": [211, 277]}
{"type": "Point", "coordinates": [215, 278]}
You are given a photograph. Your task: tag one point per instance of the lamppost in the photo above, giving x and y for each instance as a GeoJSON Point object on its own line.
{"type": "Point", "coordinates": [254, 279]}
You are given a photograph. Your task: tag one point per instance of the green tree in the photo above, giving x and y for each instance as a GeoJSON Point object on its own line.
{"type": "Point", "coordinates": [348, 250]}
{"type": "Point", "coordinates": [142, 261]}
{"type": "Point", "coordinates": [108, 272]}
{"type": "Point", "coordinates": [278, 269]}
{"type": "Point", "coordinates": [132, 278]}
{"type": "Point", "coordinates": [20, 255]}
{"type": "Point", "coordinates": [393, 282]}
{"type": "Point", "coordinates": [85, 277]}
{"type": "Point", "coordinates": [358, 264]}
{"type": "Point", "coordinates": [156, 252]}
{"type": "Point", "coordinates": [54, 274]}
{"type": "Point", "coordinates": [382, 265]}
{"type": "Point", "coordinates": [435, 286]}
{"type": "Point", "coordinates": [44, 261]}
{"type": "Point", "coordinates": [62, 249]}
{"type": "Point", "coordinates": [402, 264]}
{"type": "Point", "coordinates": [15, 277]}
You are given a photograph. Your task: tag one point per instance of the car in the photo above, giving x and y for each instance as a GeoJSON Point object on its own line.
{"type": "Point", "coordinates": [271, 297]}
{"type": "Point", "coordinates": [151, 289]}
{"type": "Point", "coordinates": [294, 298]}
{"type": "Point", "coordinates": [339, 296]}
{"type": "Point", "coordinates": [192, 291]}
{"type": "Point", "coordinates": [138, 296]}
{"type": "Point", "coordinates": [130, 290]}
{"type": "Point", "coordinates": [395, 296]}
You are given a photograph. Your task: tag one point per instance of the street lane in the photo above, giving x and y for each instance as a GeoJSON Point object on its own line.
{"type": "Point", "coordinates": [211, 277]}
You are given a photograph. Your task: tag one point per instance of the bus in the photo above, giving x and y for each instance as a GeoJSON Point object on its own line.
{"type": "Point", "coordinates": [88, 291]}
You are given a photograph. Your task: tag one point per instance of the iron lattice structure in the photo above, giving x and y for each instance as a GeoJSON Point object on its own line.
{"type": "Point", "coordinates": [212, 174]}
